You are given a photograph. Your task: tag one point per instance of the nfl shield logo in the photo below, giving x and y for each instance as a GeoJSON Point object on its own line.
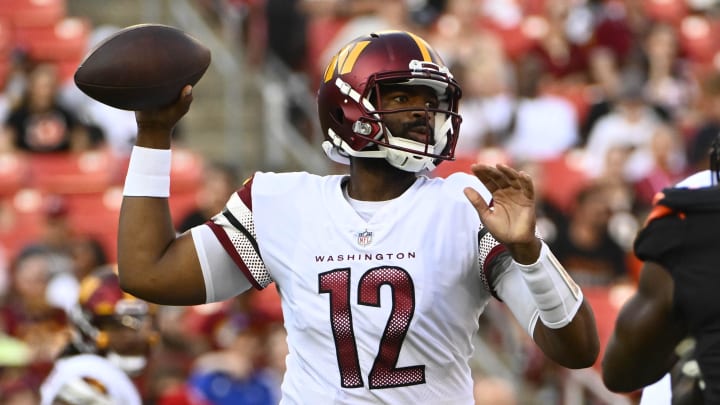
{"type": "Point", "coordinates": [364, 238]}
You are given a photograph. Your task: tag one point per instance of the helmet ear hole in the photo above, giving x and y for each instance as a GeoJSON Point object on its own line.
{"type": "Point", "coordinates": [338, 115]}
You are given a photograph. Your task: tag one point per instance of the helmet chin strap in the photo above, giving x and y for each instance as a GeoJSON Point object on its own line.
{"type": "Point", "coordinates": [407, 161]}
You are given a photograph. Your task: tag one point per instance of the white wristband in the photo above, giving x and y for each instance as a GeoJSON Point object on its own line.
{"type": "Point", "coordinates": [148, 173]}
{"type": "Point", "coordinates": [556, 295]}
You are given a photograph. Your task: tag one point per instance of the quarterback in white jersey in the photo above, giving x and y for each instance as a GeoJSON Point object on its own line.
{"type": "Point", "coordinates": [384, 272]}
{"type": "Point", "coordinates": [388, 301]}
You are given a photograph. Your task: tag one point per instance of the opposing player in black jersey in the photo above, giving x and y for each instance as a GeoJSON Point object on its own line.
{"type": "Point", "coordinates": [677, 294]}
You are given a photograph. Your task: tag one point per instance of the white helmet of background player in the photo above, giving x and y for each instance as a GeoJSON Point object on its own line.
{"type": "Point", "coordinates": [350, 113]}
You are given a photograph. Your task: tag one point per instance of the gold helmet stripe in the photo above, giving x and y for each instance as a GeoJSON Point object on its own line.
{"type": "Point", "coordinates": [330, 69]}
{"type": "Point", "coordinates": [355, 52]}
{"type": "Point", "coordinates": [423, 46]}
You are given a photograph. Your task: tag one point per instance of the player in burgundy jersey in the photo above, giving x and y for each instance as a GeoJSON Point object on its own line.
{"type": "Point", "coordinates": [676, 295]}
{"type": "Point", "coordinates": [384, 272]}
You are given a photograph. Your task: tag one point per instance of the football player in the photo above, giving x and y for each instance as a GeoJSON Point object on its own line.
{"type": "Point", "coordinates": [676, 298]}
{"type": "Point", "coordinates": [112, 336]}
{"type": "Point", "coordinates": [382, 273]}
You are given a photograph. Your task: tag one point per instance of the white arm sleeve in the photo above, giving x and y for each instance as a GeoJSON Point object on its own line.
{"type": "Point", "coordinates": [512, 290]}
{"type": "Point", "coordinates": [542, 290]}
{"type": "Point", "coordinates": [222, 277]}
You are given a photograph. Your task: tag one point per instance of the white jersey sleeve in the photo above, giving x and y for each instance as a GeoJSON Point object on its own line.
{"type": "Point", "coordinates": [221, 275]}
{"type": "Point", "coordinates": [228, 250]}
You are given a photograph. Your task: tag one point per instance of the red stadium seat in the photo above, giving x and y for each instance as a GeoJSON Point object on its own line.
{"type": "Point", "coordinates": [518, 39]}
{"type": "Point", "coordinates": [14, 173]}
{"type": "Point", "coordinates": [320, 33]}
{"type": "Point", "coordinates": [606, 303]}
{"type": "Point", "coordinates": [187, 171]}
{"type": "Point", "coordinates": [568, 177]}
{"type": "Point", "coordinates": [669, 11]}
{"type": "Point", "coordinates": [97, 215]}
{"type": "Point", "coordinates": [67, 40]}
{"type": "Point", "coordinates": [21, 219]}
{"type": "Point", "coordinates": [6, 37]}
{"type": "Point", "coordinates": [71, 173]}
{"type": "Point", "coordinates": [462, 162]}
{"type": "Point", "coordinates": [697, 39]}
{"type": "Point", "coordinates": [33, 13]}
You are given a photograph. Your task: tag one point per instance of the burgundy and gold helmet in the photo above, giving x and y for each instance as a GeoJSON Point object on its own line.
{"type": "Point", "coordinates": [353, 124]}
{"type": "Point", "coordinates": [102, 302]}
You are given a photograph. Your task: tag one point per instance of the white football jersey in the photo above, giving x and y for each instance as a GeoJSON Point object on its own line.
{"type": "Point", "coordinates": [377, 311]}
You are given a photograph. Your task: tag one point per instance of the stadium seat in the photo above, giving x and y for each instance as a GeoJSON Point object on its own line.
{"type": "Point", "coordinates": [21, 219]}
{"type": "Point", "coordinates": [33, 13]}
{"type": "Point", "coordinates": [566, 173]}
{"type": "Point", "coordinates": [518, 39]}
{"type": "Point", "coordinates": [6, 38]}
{"type": "Point", "coordinates": [320, 33]}
{"type": "Point", "coordinates": [697, 39]}
{"type": "Point", "coordinates": [14, 173]}
{"type": "Point", "coordinates": [97, 215]}
{"type": "Point", "coordinates": [669, 11]}
{"type": "Point", "coordinates": [462, 162]}
{"type": "Point", "coordinates": [181, 204]}
{"type": "Point", "coordinates": [72, 173]}
{"type": "Point", "coordinates": [67, 40]}
{"type": "Point", "coordinates": [605, 303]}
{"type": "Point", "coordinates": [187, 170]}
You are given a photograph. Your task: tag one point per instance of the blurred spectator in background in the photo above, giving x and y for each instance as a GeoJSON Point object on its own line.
{"type": "Point", "coordinates": [669, 85]}
{"type": "Point", "coordinates": [28, 314]}
{"type": "Point", "coordinates": [56, 233]}
{"type": "Point", "coordinates": [487, 95]}
{"type": "Point", "coordinates": [667, 165]}
{"type": "Point", "coordinates": [604, 76]}
{"type": "Point", "coordinates": [88, 255]}
{"type": "Point", "coordinates": [459, 37]}
{"type": "Point", "coordinates": [620, 26]}
{"type": "Point", "coordinates": [631, 124]}
{"type": "Point", "coordinates": [219, 181]}
{"type": "Point", "coordinates": [112, 336]}
{"type": "Point", "coordinates": [287, 32]}
{"type": "Point", "coordinates": [38, 123]}
{"type": "Point", "coordinates": [236, 373]}
{"type": "Point", "coordinates": [542, 126]}
{"type": "Point", "coordinates": [700, 140]}
{"type": "Point", "coordinates": [561, 57]}
{"type": "Point", "coordinates": [584, 246]}
{"type": "Point", "coordinates": [367, 16]}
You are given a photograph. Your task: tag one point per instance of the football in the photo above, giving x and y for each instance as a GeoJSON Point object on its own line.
{"type": "Point", "coordinates": [142, 67]}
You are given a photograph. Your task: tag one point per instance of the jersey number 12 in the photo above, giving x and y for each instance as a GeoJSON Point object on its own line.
{"type": "Point", "coordinates": [384, 373]}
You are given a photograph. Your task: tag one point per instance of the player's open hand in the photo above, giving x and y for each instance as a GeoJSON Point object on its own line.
{"type": "Point", "coordinates": [511, 219]}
